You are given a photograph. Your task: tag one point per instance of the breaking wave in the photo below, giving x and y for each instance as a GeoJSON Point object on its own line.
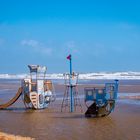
{"type": "Point", "coordinates": [85, 76]}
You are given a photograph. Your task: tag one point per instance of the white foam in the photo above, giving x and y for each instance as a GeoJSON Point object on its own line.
{"type": "Point", "coordinates": [111, 75]}
{"type": "Point", "coordinates": [84, 76]}
{"type": "Point", "coordinates": [13, 76]}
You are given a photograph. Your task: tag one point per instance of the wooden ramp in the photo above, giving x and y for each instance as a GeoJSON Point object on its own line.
{"type": "Point", "coordinates": [13, 100]}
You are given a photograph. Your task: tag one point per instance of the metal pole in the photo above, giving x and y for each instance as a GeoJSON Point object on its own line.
{"type": "Point", "coordinates": [71, 88]}
{"type": "Point", "coordinates": [116, 86]}
{"type": "Point", "coordinates": [71, 65]}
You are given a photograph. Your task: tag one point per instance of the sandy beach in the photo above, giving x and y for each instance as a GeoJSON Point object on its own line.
{"type": "Point", "coordinates": [50, 123]}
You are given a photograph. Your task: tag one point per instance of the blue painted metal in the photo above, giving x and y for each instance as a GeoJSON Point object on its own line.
{"type": "Point", "coordinates": [116, 85]}
{"type": "Point", "coordinates": [100, 97]}
{"type": "Point", "coordinates": [103, 99]}
{"type": "Point", "coordinates": [112, 90]}
{"type": "Point", "coordinates": [71, 88]}
{"type": "Point", "coordinates": [90, 94]}
{"type": "Point", "coordinates": [70, 65]}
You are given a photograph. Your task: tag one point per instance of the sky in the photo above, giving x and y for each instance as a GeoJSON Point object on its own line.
{"type": "Point", "coordinates": [101, 35]}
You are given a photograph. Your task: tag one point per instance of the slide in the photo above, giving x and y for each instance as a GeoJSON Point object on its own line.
{"type": "Point", "coordinates": [13, 100]}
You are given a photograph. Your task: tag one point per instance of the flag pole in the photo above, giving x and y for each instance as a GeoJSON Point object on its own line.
{"type": "Point", "coordinates": [71, 87]}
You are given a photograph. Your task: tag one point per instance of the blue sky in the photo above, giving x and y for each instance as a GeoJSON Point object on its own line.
{"type": "Point", "coordinates": [101, 35]}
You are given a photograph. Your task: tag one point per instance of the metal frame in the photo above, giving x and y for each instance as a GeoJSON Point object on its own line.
{"type": "Point", "coordinates": [104, 98]}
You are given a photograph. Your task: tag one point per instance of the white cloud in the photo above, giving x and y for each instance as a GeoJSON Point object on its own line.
{"type": "Point", "coordinates": [32, 43]}
{"type": "Point", "coordinates": [71, 46]}
{"type": "Point", "coordinates": [45, 50]}
{"type": "Point", "coordinates": [37, 46]}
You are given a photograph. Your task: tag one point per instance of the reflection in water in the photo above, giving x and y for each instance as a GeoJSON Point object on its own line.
{"type": "Point", "coordinates": [51, 124]}
{"type": "Point", "coordinates": [128, 94]}
{"type": "Point", "coordinates": [129, 101]}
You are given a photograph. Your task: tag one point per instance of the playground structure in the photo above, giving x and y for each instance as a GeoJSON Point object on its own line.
{"type": "Point", "coordinates": [71, 98]}
{"type": "Point", "coordinates": [101, 101]}
{"type": "Point", "coordinates": [13, 100]}
{"type": "Point", "coordinates": [37, 92]}
{"type": "Point", "coordinates": [71, 87]}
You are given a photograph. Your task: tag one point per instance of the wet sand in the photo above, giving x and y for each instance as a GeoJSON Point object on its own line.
{"type": "Point", "coordinates": [122, 124]}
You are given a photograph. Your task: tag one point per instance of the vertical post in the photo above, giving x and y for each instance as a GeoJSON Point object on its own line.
{"type": "Point", "coordinates": [71, 87]}
{"type": "Point", "coordinates": [70, 65]}
{"type": "Point", "coordinates": [116, 88]}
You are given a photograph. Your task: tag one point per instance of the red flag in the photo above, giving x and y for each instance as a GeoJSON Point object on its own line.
{"type": "Point", "coordinates": [69, 57]}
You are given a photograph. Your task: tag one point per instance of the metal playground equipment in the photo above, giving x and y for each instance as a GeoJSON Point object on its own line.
{"type": "Point", "coordinates": [71, 87]}
{"type": "Point", "coordinates": [101, 101]}
{"type": "Point", "coordinates": [71, 98]}
{"type": "Point", "coordinates": [37, 92]}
